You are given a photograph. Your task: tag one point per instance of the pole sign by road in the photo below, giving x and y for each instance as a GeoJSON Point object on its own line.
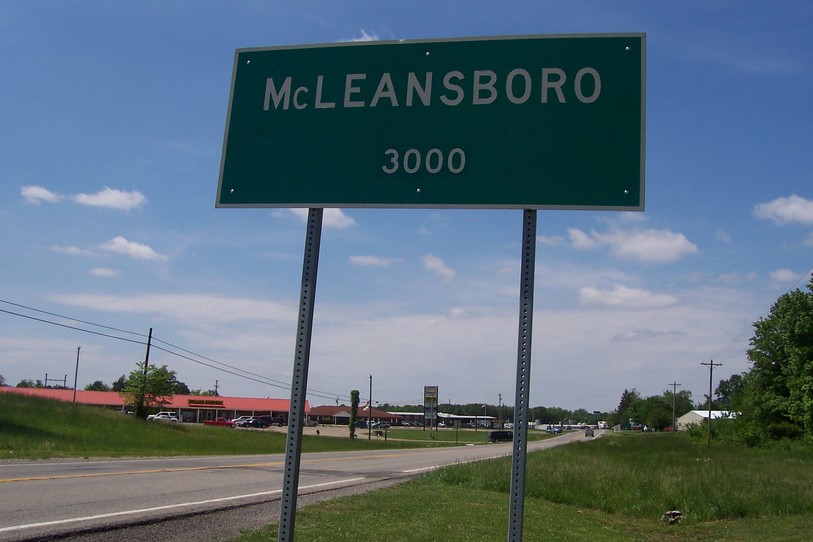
{"type": "Point", "coordinates": [528, 122]}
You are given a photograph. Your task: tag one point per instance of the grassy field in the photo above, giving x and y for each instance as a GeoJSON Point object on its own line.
{"type": "Point", "coordinates": [447, 435]}
{"type": "Point", "coordinates": [34, 428]}
{"type": "Point", "coordinates": [612, 489]}
{"type": "Point", "coordinates": [615, 488]}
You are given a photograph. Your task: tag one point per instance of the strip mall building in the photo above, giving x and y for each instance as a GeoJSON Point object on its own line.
{"type": "Point", "coordinates": [190, 408]}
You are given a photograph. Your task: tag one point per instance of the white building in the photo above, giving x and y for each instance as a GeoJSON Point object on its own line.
{"type": "Point", "coordinates": [700, 416]}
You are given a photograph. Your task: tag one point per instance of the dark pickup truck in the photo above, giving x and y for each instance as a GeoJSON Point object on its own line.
{"type": "Point", "coordinates": [500, 436]}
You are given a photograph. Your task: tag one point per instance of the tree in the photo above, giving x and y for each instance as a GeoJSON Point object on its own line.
{"type": "Point", "coordinates": [150, 389]}
{"type": "Point", "coordinates": [28, 383]}
{"type": "Point", "coordinates": [779, 386]}
{"type": "Point", "coordinates": [728, 392]}
{"type": "Point", "coordinates": [622, 414]}
{"type": "Point", "coordinates": [118, 385]}
{"type": "Point", "coordinates": [354, 409]}
{"type": "Point", "coordinates": [97, 386]}
{"type": "Point", "coordinates": [179, 388]}
{"type": "Point", "coordinates": [2, 380]}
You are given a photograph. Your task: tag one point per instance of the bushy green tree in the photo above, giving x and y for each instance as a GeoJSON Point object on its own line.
{"type": "Point", "coordinates": [728, 392]}
{"type": "Point", "coordinates": [118, 385]}
{"type": "Point", "coordinates": [97, 386]}
{"type": "Point", "coordinates": [779, 387]}
{"type": "Point", "coordinates": [354, 410]}
{"type": "Point", "coordinates": [148, 389]}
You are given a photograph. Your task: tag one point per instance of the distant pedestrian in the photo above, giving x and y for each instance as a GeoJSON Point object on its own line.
{"type": "Point", "coordinates": [317, 432]}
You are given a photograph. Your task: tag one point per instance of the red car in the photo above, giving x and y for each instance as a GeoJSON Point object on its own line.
{"type": "Point", "coordinates": [218, 421]}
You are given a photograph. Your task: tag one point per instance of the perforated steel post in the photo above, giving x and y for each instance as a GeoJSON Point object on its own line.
{"type": "Point", "coordinates": [526, 313]}
{"type": "Point", "coordinates": [299, 381]}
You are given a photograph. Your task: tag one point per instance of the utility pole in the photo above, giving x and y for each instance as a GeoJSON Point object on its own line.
{"type": "Point", "coordinates": [370, 412]}
{"type": "Point", "coordinates": [711, 365]}
{"type": "Point", "coordinates": [140, 406]}
{"type": "Point", "coordinates": [674, 420]}
{"type": "Point", "coordinates": [76, 373]}
{"type": "Point", "coordinates": [499, 395]}
{"type": "Point", "coordinates": [217, 393]}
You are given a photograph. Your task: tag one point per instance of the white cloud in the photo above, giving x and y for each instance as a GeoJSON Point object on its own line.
{"type": "Point", "coordinates": [784, 275]}
{"type": "Point", "coordinates": [549, 241]}
{"type": "Point", "coordinates": [639, 334]}
{"type": "Point", "coordinates": [120, 245]}
{"type": "Point", "coordinates": [647, 245]}
{"type": "Point", "coordinates": [331, 218]}
{"type": "Point", "coordinates": [786, 210]}
{"type": "Point", "coordinates": [370, 261]}
{"type": "Point", "coordinates": [436, 265]}
{"type": "Point", "coordinates": [622, 296]}
{"type": "Point", "coordinates": [105, 272]}
{"type": "Point", "coordinates": [112, 198]}
{"type": "Point", "coordinates": [71, 250]}
{"type": "Point", "coordinates": [723, 236]}
{"type": "Point", "coordinates": [187, 307]}
{"type": "Point", "coordinates": [38, 194]}
{"type": "Point", "coordinates": [580, 240]}
{"type": "Point", "coordinates": [366, 37]}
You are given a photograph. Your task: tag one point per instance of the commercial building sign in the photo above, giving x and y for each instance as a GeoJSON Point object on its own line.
{"type": "Point", "coordinates": [507, 122]}
{"type": "Point", "coordinates": [430, 402]}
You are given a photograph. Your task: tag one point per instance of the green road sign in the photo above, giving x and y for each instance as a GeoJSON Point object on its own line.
{"type": "Point", "coordinates": [533, 122]}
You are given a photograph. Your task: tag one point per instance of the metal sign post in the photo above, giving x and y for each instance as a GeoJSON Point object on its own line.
{"type": "Point", "coordinates": [526, 315]}
{"type": "Point", "coordinates": [299, 381]}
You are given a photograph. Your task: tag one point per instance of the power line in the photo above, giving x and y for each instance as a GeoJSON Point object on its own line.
{"type": "Point", "coordinates": [42, 320]}
{"type": "Point", "coordinates": [214, 364]}
{"type": "Point", "coordinates": [67, 318]}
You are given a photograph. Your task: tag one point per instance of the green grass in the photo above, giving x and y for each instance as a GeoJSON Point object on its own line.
{"type": "Point", "coordinates": [612, 489]}
{"type": "Point", "coordinates": [35, 428]}
{"type": "Point", "coordinates": [448, 436]}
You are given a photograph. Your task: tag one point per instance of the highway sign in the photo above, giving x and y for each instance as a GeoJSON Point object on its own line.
{"type": "Point", "coordinates": [534, 122]}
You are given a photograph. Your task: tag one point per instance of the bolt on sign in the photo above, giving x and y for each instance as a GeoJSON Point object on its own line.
{"type": "Point", "coordinates": [527, 122]}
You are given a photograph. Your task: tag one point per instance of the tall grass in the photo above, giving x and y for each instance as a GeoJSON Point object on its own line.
{"type": "Point", "coordinates": [33, 428]}
{"type": "Point", "coordinates": [643, 475]}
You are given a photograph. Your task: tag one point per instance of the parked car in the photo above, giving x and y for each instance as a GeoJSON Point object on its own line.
{"type": "Point", "coordinates": [164, 416]}
{"type": "Point", "coordinates": [219, 421]}
{"type": "Point", "coordinates": [279, 421]}
{"type": "Point", "coordinates": [553, 429]}
{"type": "Point", "coordinates": [252, 422]}
{"type": "Point", "coordinates": [500, 436]}
{"type": "Point", "coordinates": [381, 425]}
{"type": "Point", "coordinates": [239, 420]}
{"type": "Point", "coordinates": [310, 423]}
{"type": "Point", "coordinates": [360, 423]}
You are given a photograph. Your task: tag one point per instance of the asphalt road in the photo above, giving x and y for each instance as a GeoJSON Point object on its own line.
{"type": "Point", "coordinates": [197, 498]}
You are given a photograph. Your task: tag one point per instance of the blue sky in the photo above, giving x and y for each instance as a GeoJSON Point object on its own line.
{"type": "Point", "coordinates": [113, 116]}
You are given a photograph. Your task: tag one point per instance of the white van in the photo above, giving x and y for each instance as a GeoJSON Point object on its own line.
{"type": "Point", "coordinates": [164, 416]}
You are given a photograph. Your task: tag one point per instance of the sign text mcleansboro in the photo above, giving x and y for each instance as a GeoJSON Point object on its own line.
{"type": "Point", "coordinates": [526, 122]}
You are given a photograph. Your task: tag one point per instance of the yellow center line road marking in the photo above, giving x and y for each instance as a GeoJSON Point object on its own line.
{"type": "Point", "coordinates": [182, 469]}
{"type": "Point", "coordinates": [166, 507]}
